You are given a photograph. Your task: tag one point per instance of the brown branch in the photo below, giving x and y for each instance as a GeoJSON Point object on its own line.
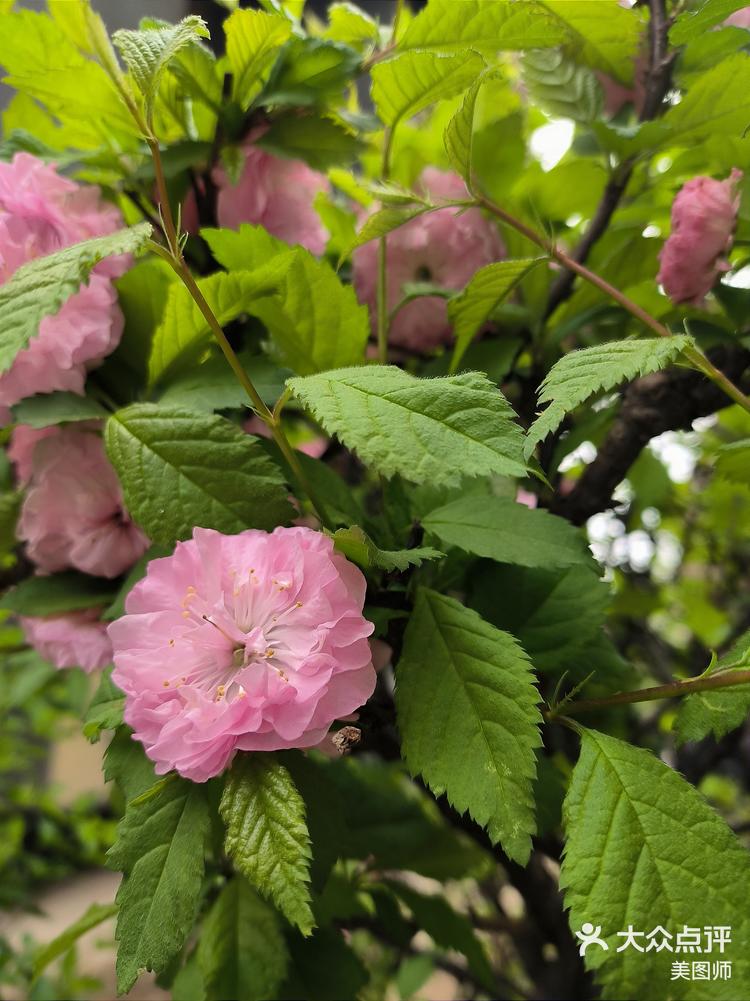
{"type": "Point", "coordinates": [664, 401]}
{"type": "Point", "coordinates": [658, 80]}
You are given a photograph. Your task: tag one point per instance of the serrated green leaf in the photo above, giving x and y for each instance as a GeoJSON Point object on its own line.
{"type": "Point", "coordinates": [459, 132]}
{"type": "Point", "coordinates": [94, 916]}
{"type": "Point", "coordinates": [716, 714]}
{"type": "Point", "coordinates": [160, 849]}
{"type": "Point", "coordinates": [39, 288]}
{"type": "Point", "coordinates": [470, 309]}
{"type": "Point", "coordinates": [149, 51]}
{"type": "Point", "coordinates": [184, 331]}
{"type": "Point", "coordinates": [179, 469]}
{"type": "Point", "coordinates": [468, 717]}
{"type": "Point", "coordinates": [241, 951]}
{"type": "Point", "coordinates": [382, 222]}
{"type": "Point", "coordinates": [645, 849]}
{"type": "Point", "coordinates": [253, 41]}
{"type": "Point", "coordinates": [46, 409]}
{"type": "Point", "coordinates": [560, 86]}
{"type": "Point", "coordinates": [348, 24]}
{"type": "Point", "coordinates": [320, 141]}
{"type": "Point", "coordinates": [607, 40]}
{"type": "Point", "coordinates": [245, 248]}
{"type": "Point", "coordinates": [428, 430]}
{"type": "Point", "coordinates": [125, 763]}
{"type": "Point", "coordinates": [358, 547]}
{"type": "Point", "coordinates": [502, 530]}
{"type": "Point", "coordinates": [68, 591]}
{"type": "Point", "coordinates": [212, 385]}
{"type": "Point", "coordinates": [310, 71]}
{"type": "Point", "coordinates": [105, 709]}
{"type": "Point", "coordinates": [412, 81]}
{"type": "Point", "coordinates": [693, 23]}
{"type": "Point", "coordinates": [581, 374]}
{"type": "Point", "coordinates": [267, 836]}
{"type": "Point", "coordinates": [445, 26]}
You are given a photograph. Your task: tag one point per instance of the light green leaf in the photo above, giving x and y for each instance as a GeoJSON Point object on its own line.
{"type": "Point", "coordinates": [160, 849]}
{"type": "Point", "coordinates": [267, 836]}
{"type": "Point", "coordinates": [310, 71]}
{"type": "Point", "coordinates": [560, 86]}
{"type": "Point", "coordinates": [241, 950]}
{"type": "Point", "coordinates": [412, 81]}
{"type": "Point", "coordinates": [645, 849]}
{"type": "Point", "coordinates": [184, 331]}
{"type": "Point", "coordinates": [605, 39]}
{"type": "Point", "coordinates": [56, 408]}
{"type": "Point", "coordinates": [470, 309]}
{"type": "Point", "coordinates": [94, 916]}
{"type": "Point", "coordinates": [459, 132]}
{"type": "Point", "coordinates": [253, 41]}
{"type": "Point", "coordinates": [68, 591]}
{"type": "Point", "coordinates": [733, 461]}
{"type": "Point", "coordinates": [246, 248]}
{"type": "Point", "coordinates": [149, 51]}
{"type": "Point", "coordinates": [349, 24]}
{"type": "Point", "coordinates": [445, 26]}
{"type": "Point", "coordinates": [180, 469]}
{"type": "Point", "coordinates": [428, 430]}
{"type": "Point", "coordinates": [382, 222]}
{"type": "Point", "coordinates": [716, 714]}
{"type": "Point", "coordinates": [358, 547]}
{"type": "Point", "coordinates": [694, 23]}
{"type": "Point", "coordinates": [468, 717]}
{"type": "Point", "coordinates": [502, 530]}
{"type": "Point", "coordinates": [320, 141]}
{"type": "Point", "coordinates": [39, 288]}
{"type": "Point", "coordinates": [105, 710]}
{"type": "Point", "coordinates": [581, 374]}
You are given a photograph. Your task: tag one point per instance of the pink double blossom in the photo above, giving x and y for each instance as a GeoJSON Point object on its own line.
{"type": "Point", "coordinates": [250, 642]}
{"type": "Point", "coordinates": [40, 213]}
{"type": "Point", "coordinates": [445, 247]}
{"type": "Point", "coordinates": [704, 215]}
{"type": "Point", "coordinates": [73, 514]}
{"type": "Point", "coordinates": [76, 639]}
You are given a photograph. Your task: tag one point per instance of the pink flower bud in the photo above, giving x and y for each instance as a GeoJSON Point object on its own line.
{"type": "Point", "coordinates": [704, 214]}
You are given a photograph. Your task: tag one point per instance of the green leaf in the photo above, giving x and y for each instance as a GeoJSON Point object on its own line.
{"type": "Point", "coordinates": [39, 288]}
{"type": "Point", "coordinates": [267, 836]}
{"type": "Point", "coordinates": [241, 950]}
{"type": "Point", "coordinates": [429, 430]}
{"type": "Point", "coordinates": [94, 916]}
{"type": "Point", "coordinates": [733, 461]}
{"type": "Point", "coordinates": [253, 42]}
{"type": "Point", "coordinates": [184, 331]}
{"type": "Point", "coordinates": [324, 967]}
{"type": "Point", "coordinates": [213, 385]}
{"type": "Point", "coordinates": [245, 248]}
{"type": "Point", "coordinates": [310, 71]}
{"type": "Point", "coordinates": [160, 849]}
{"type": "Point", "coordinates": [645, 849]}
{"type": "Point", "coordinates": [149, 51]}
{"type": "Point", "coordinates": [358, 547]}
{"type": "Point", "coordinates": [608, 43]}
{"type": "Point", "coordinates": [10, 506]}
{"type": "Point", "coordinates": [705, 714]}
{"type": "Point", "coordinates": [447, 928]}
{"type": "Point", "coordinates": [445, 26]}
{"type": "Point", "coordinates": [349, 24]}
{"type": "Point", "coordinates": [459, 132]}
{"type": "Point", "coordinates": [472, 308]}
{"type": "Point", "coordinates": [468, 717]}
{"type": "Point", "coordinates": [125, 763]}
{"type": "Point", "coordinates": [501, 529]}
{"type": "Point", "coordinates": [68, 591]}
{"type": "Point", "coordinates": [580, 374]}
{"type": "Point", "coordinates": [105, 710]}
{"type": "Point", "coordinates": [320, 141]}
{"type": "Point", "coordinates": [180, 469]}
{"type": "Point", "coordinates": [560, 86]}
{"type": "Point", "coordinates": [412, 81]}
{"type": "Point", "coordinates": [554, 615]}
{"type": "Point", "coordinates": [384, 221]}
{"type": "Point", "coordinates": [695, 23]}
{"type": "Point", "coordinates": [46, 409]}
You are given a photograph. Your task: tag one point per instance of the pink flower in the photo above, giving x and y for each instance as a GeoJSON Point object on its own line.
{"type": "Point", "coordinates": [73, 514]}
{"type": "Point", "coordinates": [76, 639]}
{"type": "Point", "coordinates": [275, 193]}
{"type": "Point", "coordinates": [445, 247]}
{"type": "Point", "coordinates": [250, 642]}
{"type": "Point", "coordinates": [41, 212]}
{"type": "Point", "coordinates": [740, 18]}
{"type": "Point", "coordinates": [704, 214]}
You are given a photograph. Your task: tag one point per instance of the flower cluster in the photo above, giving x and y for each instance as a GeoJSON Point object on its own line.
{"type": "Point", "coordinates": [250, 642]}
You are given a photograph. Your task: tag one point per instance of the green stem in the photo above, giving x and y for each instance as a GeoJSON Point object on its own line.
{"type": "Point", "coordinates": [694, 356]}
{"type": "Point", "coordinates": [674, 689]}
{"type": "Point", "coordinates": [382, 291]}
